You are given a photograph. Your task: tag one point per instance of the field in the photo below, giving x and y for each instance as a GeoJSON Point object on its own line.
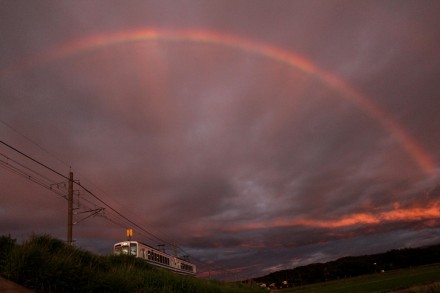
{"type": "Point", "coordinates": [380, 282]}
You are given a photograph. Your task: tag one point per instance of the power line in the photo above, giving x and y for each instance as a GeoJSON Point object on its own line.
{"type": "Point", "coordinates": [92, 194]}
{"type": "Point", "coordinates": [85, 189]}
{"type": "Point", "coordinates": [34, 160]}
{"type": "Point", "coordinates": [26, 175]}
{"type": "Point", "coordinates": [8, 166]}
{"type": "Point", "coordinates": [121, 215]}
{"type": "Point", "coordinates": [40, 147]}
{"type": "Point", "coordinates": [33, 142]}
{"type": "Point", "coordinates": [121, 220]}
{"type": "Point", "coordinates": [9, 159]}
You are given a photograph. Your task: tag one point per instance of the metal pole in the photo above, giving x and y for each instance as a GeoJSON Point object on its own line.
{"type": "Point", "coordinates": [70, 210]}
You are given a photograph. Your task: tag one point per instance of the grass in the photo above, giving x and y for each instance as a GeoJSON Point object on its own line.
{"type": "Point", "coordinates": [431, 288]}
{"type": "Point", "coordinates": [380, 282]}
{"type": "Point", "coordinates": [45, 264]}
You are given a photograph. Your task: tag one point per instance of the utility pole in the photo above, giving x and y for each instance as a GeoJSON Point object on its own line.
{"type": "Point", "coordinates": [70, 210]}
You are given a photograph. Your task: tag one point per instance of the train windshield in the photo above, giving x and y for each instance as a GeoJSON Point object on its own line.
{"type": "Point", "coordinates": [126, 248]}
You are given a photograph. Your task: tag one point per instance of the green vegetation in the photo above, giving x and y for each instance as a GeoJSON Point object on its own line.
{"type": "Point", "coordinates": [380, 282]}
{"type": "Point", "coordinates": [45, 264]}
{"type": "Point", "coordinates": [431, 288]}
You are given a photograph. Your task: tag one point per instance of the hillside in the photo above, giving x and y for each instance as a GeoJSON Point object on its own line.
{"type": "Point", "coordinates": [355, 266]}
{"type": "Point", "coordinates": [45, 264]}
{"type": "Point", "coordinates": [9, 286]}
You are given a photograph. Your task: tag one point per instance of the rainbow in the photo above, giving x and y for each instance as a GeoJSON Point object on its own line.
{"type": "Point", "coordinates": [96, 42]}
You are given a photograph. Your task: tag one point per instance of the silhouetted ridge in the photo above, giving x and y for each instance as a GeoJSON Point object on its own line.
{"type": "Point", "coordinates": [352, 266]}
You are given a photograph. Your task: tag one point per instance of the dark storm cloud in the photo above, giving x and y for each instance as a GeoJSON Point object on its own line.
{"type": "Point", "coordinates": [241, 159]}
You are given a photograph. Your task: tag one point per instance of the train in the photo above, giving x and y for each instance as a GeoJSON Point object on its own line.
{"type": "Point", "coordinates": [155, 257]}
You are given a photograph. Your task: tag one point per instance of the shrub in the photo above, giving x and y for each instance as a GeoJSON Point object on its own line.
{"type": "Point", "coordinates": [7, 244]}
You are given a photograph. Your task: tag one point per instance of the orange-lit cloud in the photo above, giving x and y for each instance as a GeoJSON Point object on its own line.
{"type": "Point", "coordinates": [432, 211]}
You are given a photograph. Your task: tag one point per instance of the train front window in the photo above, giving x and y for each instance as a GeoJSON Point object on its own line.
{"type": "Point", "coordinates": [123, 249]}
{"type": "Point", "coordinates": [133, 249]}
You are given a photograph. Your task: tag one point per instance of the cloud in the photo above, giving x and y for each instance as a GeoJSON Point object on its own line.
{"type": "Point", "coordinates": [243, 161]}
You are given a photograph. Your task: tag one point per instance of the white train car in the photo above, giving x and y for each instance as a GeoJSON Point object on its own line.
{"type": "Point", "coordinates": [155, 257]}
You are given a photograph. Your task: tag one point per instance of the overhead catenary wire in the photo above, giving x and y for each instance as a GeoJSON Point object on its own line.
{"type": "Point", "coordinates": [111, 214]}
{"type": "Point", "coordinates": [34, 160]}
{"type": "Point", "coordinates": [33, 142]}
{"type": "Point", "coordinates": [40, 147]}
{"type": "Point", "coordinates": [117, 218]}
{"type": "Point", "coordinates": [113, 218]}
{"type": "Point", "coordinates": [9, 159]}
{"type": "Point", "coordinates": [88, 191]}
{"type": "Point", "coordinates": [8, 166]}
{"type": "Point", "coordinates": [126, 219]}
{"type": "Point", "coordinates": [83, 187]}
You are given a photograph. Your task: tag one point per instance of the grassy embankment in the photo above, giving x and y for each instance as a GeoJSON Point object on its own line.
{"type": "Point", "coordinates": [390, 281]}
{"type": "Point", "coordinates": [45, 264]}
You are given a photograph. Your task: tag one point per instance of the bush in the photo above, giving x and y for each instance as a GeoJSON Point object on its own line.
{"type": "Point", "coordinates": [7, 244]}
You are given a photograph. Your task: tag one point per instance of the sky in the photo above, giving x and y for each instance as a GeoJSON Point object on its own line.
{"type": "Point", "coordinates": [255, 135]}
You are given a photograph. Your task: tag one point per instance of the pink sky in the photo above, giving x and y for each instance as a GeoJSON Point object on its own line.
{"type": "Point", "coordinates": [257, 135]}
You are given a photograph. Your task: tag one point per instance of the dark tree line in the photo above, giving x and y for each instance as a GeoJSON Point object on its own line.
{"type": "Point", "coordinates": [355, 266]}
